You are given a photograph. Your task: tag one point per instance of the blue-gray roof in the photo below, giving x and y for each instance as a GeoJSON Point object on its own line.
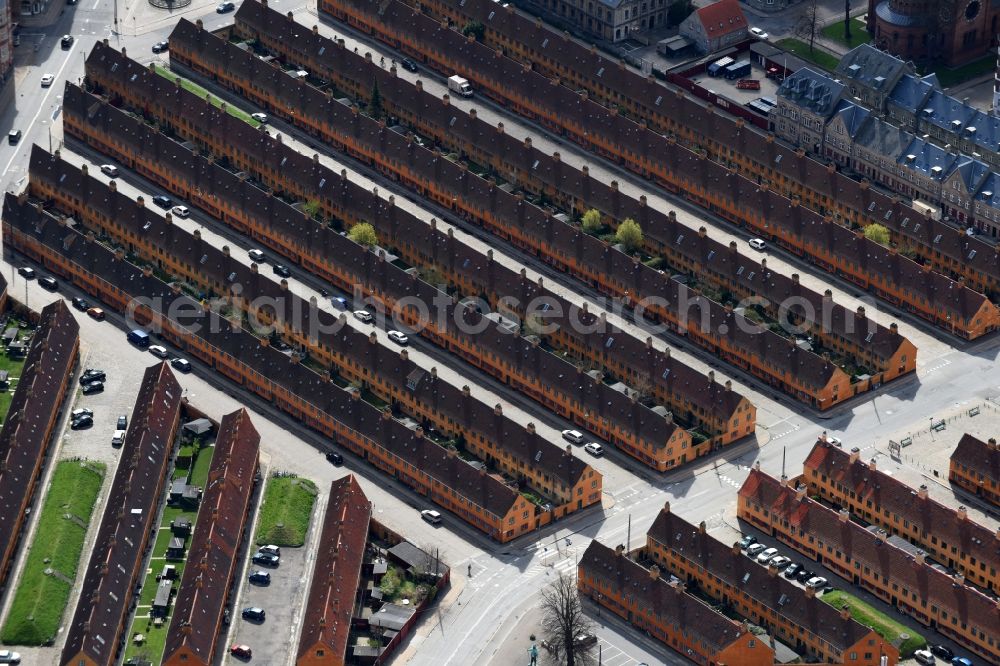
{"type": "Point", "coordinates": [813, 91]}
{"type": "Point", "coordinates": [987, 134]}
{"type": "Point", "coordinates": [872, 68]}
{"type": "Point", "coordinates": [884, 138]}
{"type": "Point", "coordinates": [912, 91]}
{"type": "Point", "coordinates": [927, 158]}
{"type": "Point", "coordinates": [971, 171]}
{"type": "Point", "coordinates": [852, 115]}
{"type": "Point", "coordinates": [989, 191]}
{"type": "Point", "coordinates": [886, 13]}
{"type": "Point", "coordinates": [946, 112]}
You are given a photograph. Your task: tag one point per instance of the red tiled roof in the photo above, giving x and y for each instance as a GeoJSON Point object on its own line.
{"type": "Point", "coordinates": [978, 456]}
{"type": "Point", "coordinates": [326, 623]}
{"type": "Point", "coordinates": [722, 17]}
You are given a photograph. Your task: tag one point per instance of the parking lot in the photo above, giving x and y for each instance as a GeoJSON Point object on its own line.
{"type": "Point", "coordinates": [727, 88]}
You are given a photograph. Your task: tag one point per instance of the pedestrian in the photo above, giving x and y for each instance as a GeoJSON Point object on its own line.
{"type": "Point", "coordinates": [470, 570]}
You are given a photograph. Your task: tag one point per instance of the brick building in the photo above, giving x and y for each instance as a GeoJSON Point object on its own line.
{"type": "Point", "coordinates": [954, 33]}
{"type": "Point", "coordinates": [716, 26]}
{"type": "Point", "coordinates": [975, 467]}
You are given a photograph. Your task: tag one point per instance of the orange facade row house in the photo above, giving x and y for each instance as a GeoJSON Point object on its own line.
{"type": "Point", "coordinates": [480, 499]}
{"type": "Point", "coordinates": [870, 560]}
{"type": "Point", "coordinates": [975, 467]}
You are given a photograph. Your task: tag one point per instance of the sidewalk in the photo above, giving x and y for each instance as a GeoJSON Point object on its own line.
{"type": "Point", "coordinates": [46, 18]}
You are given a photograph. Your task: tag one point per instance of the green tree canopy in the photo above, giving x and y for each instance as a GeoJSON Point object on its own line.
{"type": "Point", "coordinates": [629, 234]}
{"type": "Point", "coordinates": [878, 233]}
{"type": "Point", "coordinates": [476, 29]}
{"type": "Point", "coordinates": [592, 221]}
{"type": "Point", "coordinates": [363, 234]}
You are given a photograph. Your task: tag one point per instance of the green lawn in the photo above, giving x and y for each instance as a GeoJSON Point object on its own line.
{"type": "Point", "coordinates": [286, 510]}
{"type": "Point", "coordinates": [37, 609]}
{"type": "Point", "coordinates": [859, 35]}
{"type": "Point", "coordinates": [817, 56]}
{"type": "Point", "coordinates": [13, 367]}
{"type": "Point", "coordinates": [202, 463]}
{"type": "Point", "coordinates": [201, 92]}
{"type": "Point", "coordinates": [951, 77]}
{"type": "Point", "coordinates": [884, 626]}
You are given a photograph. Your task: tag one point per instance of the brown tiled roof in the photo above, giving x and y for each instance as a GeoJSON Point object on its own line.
{"type": "Point", "coordinates": [212, 560]}
{"type": "Point", "coordinates": [326, 620]}
{"type": "Point", "coordinates": [882, 492]}
{"type": "Point", "coordinates": [295, 379]}
{"type": "Point", "coordinates": [978, 456]}
{"type": "Point", "coordinates": [676, 607]}
{"type": "Point", "coordinates": [932, 587]}
{"type": "Point", "coordinates": [742, 573]}
{"type": "Point", "coordinates": [109, 581]}
{"type": "Point", "coordinates": [34, 409]}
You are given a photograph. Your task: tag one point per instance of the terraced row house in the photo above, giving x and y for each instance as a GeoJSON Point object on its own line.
{"type": "Point", "coordinates": [565, 482]}
{"type": "Point", "coordinates": [481, 499]}
{"type": "Point", "coordinates": [213, 559]}
{"type": "Point", "coordinates": [35, 410]}
{"type": "Point", "coordinates": [715, 160]}
{"type": "Point", "coordinates": [96, 634]}
{"type": "Point", "coordinates": [947, 536]}
{"type": "Point", "coordinates": [867, 558]}
{"type": "Point", "coordinates": [975, 467]}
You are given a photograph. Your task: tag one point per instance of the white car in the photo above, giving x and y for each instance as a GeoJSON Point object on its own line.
{"type": "Point", "coordinates": [181, 211]}
{"type": "Point", "coordinates": [754, 549]}
{"type": "Point", "coordinates": [397, 337]}
{"type": "Point", "coordinates": [816, 582]}
{"type": "Point", "coordinates": [594, 449]}
{"type": "Point", "coordinates": [47, 80]}
{"type": "Point", "coordinates": [574, 436]}
{"type": "Point", "coordinates": [767, 556]}
{"type": "Point", "coordinates": [158, 351]}
{"type": "Point", "coordinates": [109, 170]}
{"type": "Point", "coordinates": [758, 33]}
{"type": "Point", "coordinates": [757, 244]}
{"type": "Point", "coordinates": [781, 562]}
{"type": "Point", "coordinates": [257, 256]}
{"type": "Point", "coordinates": [431, 516]}
{"type": "Point", "coordinates": [259, 117]}
{"type": "Point", "coordinates": [924, 657]}
{"type": "Point", "coordinates": [836, 441]}
{"type": "Point", "coordinates": [8, 657]}
{"type": "Point", "coordinates": [364, 316]}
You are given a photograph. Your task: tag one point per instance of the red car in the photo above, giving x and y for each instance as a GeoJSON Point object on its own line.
{"type": "Point", "coordinates": [241, 651]}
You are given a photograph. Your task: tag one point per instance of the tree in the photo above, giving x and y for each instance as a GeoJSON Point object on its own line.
{"type": "Point", "coordinates": [808, 24]}
{"type": "Point", "coordinates": [878, 233]}
{"type": "Point", "coordinates": [678, 11]}
{"type": "Point", "coordinates": [847, 21]}
{"type": "Point", "coordinates": [563, 620]}
{"type": "Point", "coordinates": [476, 29]}
{"type": "Point", "coordinates": [311, 207]}
{"type": "Point", "coordinates": [592, 221]}
{"type": "Point", "coordinates": [363, 233]}
{"type": "Point", "coordinates": [375, 103]}
{"type": "Point", "coordinates": [629, 234]}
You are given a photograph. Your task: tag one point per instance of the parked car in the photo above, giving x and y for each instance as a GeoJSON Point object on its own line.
{"type": "Point", "coordinates": [84, 411]}
{"type": "Point", "coordinates": [26, 272]}
{"type": "Point", "coordinates": [96, 313]}
{"type": "Point", "coordinates": [92, 375]}
{"type": "Point", "coordinates": [225, 7]}
{"type": "Point", "coordinates": [266, 559]}
{"type": "Point", "coordinates": [792, 570]}
{"type": "Point", "coordinates": [431, 516]}
{"type": "Point", "coordinates": [160, 47]}
{"type": "Point", "coordinates": [122, 422]}
{"type": "Point", "coordinates": [260, 577]}
{"type": "Point", "coordinates": [584, 640]}
{"type": "Point", "coordinates": [961, 661]}
{"type": "Point", "coordinates": [409, 65]}
{"type": "Point", "coordinates": [181, 211]}
{"type": "Point", "coordinates": [364, 316]}
{"type": "Point", "coordinates": [66, 41]}
{"type": "Point", "coordinates": [9, 657]}
{"type": "Point", "coordinates": [282, 270]}
{"type": "Point", "coordinates": [397, 337]}
{"type": "Point", "coordinates": [335, 458]}
{"type": "Point", "coordinates": [253, 613]}
{"type": "Point", "coordinates": [80, 304]}
{"type": "Point", "coordinates": [181, 364]}
{"type": "Point", "coordinates": [243, 651]}
{"type": "Point", "coordinates": [759, 34]}
{"type": "Point", "coordinates": [805, 575]}
{"type": "Point", "coordinates": [118, 438]}
{"type": "Point", "coordinates": [158, 351]}
{"type": "Point", "coordinates": [109, 170]}
{"type": "Point", "coordinates": [781, 562]}
{"type": "Point", "coordinates": [259, 117]}
{"type": "Point", "coordinates": [767, 555]}
{"type": "Point", "coordinates": [48, 282]}
{"type": "Point", "coordinates": [84, 421]}
{"type": "Point", "coordinates": [270, 550]}
{"type": "Point", "coordinates": [339, 302]}
{"type": "Point", "coordinates": [257, 256]}
{"type": "Point", "coordinates": [755, 549]}
{"type": "Point", "coordinates": [93, 387]}
{"type": "Point", "coordinates": [573, 436]}
{"type": "Point", "coordinates": [942, 651]}
{"type": "Point", "coordinates": [757, 244]}
{"type": "Point", "coordinates": [747, 541]}
{"type": "Point", "coordinates": [14, 136]}
{"type": "Point", "coordinates": [47, 80]}
{"type": "Point", "coordinates": [163, 201]}
{"type": "Point", "coordinates": [816, 582]}
{"type": "Point", "coordinates": [594, 449]}
{"type": "Point", "coordinates": [924, 657]}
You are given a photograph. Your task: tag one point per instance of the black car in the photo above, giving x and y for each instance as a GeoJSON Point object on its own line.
{"type": "Point", "coordinates": [942, 652]}
{"type": "Point", "coordinates": [409, 65]}
{"type": "Point", "coordinates": [84, 421]}
{"type": "Point", "coordinates": [804, 575]}
{"type": "Point", "coordinates": [335, 458]}
{"type": "Point", "coordinates": [793, 570]}
{"type": "Point", "coordinates": [14, 136]}
{"type": "Point", "coordinates": [225, 7]}
{"type": "Point", "coordinates": [163, 201]}
{"type": "Point", "coordinates": [66, 41]}
{"type": "Point", "coordinates": [254, 613]}
{"type": "Point", "coordinates": [48, 282]}
{"type": "Point", "coordinates": [93, 387]}
{"type": "Point", "coordinates": [260, 577]}
{"type": "Point", "coordinates": [160, 47]}
{"type": "Point", "coordinates": [181, 364]}
{"type": "Point", "coordinates": [266, 559]}
{"type": "Point", "coordinates": [122, 422]}
{"type": "Point", "coordinates": [282, 270]}
{"type": "Point", "coordinates": [91, 375]}
{"type": "Point", "coordinates": [26, 272]}
{"type": "Point", "coordinates": [80, 304]}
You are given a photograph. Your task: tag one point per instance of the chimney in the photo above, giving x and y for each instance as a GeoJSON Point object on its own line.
{"type": "Point", "coordinates": [800, 492]}
{"type": "Point", "coordinates": [844, 515]}
{"type": "Point", "coordinates": [666, 507]}
{"type": "Point", "coordinates": [855, 454]}
{"type": "Point", "coordinates": [893, 328]}
{"type": "Point", "coordinates": [497, 409]}
{"type": "Point", "coordinates": [963, 513]}
{"type": "Point", "coordinates": [701, 527]}
{"type": "Point", "coordinates": [991, 444]}
{"type": "Point", "coordinates": [959, 578]}
{"type": "Point", "coordinates": [922, 491]}
{"type": "Point", "coordinates": [871, 465]}
{"type": "Point", "coordinates": [619, 549]}
{"type": "Point", "coordinates": [772, 571]}
{"type": "Point", "coordinates": [845, 612]}
{"type": "Point", "coordinates": [654, 572]}
{"type": "Point", "coordinates": [569, 450]}
{"type": "Point", "coordinates": [737, 551]}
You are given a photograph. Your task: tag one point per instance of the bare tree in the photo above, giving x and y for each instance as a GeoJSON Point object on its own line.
{"type": "Point", "coordinates": [563, 621]}
{"type": "Point", "coordinates": [847, 21]}
{"type": "Point", "coordinates": [808, 24]}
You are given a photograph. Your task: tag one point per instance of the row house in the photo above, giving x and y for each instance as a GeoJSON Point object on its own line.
{"type": "Point", "coordinates": [666, 611]}
{"type": "Point", "coordinates": [610, 20]}
{"type": "Point", "coordinates": [481, 499]}
{"type": "Point", "coordinates": [975, 467]}
{"type": "Point", "coordinates": [806, 101]}
{"type": "Point", "coordinates": [779, 361]}
{"type": "Point", "coordinates": [109, 592]}
{"type": "Point", "coordinates": [684, 248]}
{"type": "Point", "coordinates": [517, 58]}
{"type": "Point", "coordinates": [688, 161]}
{"type": "Point", "coordinates": [332, 600]}
{"type": "Point", "coordinates": [868, 559]}
{"type": "Point", "coordinates": [948, 536]}
{"type": "Point", "coordinates": [31, 418]}
{"type": "Point", "coordinates": [214, 557]}
{"type": "Point", "coordinates": [791, 614]}
{"type": "Point", "coordinates": [516, 450]}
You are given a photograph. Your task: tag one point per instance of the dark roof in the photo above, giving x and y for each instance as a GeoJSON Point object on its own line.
{"type": "Point", "coordinates": [742, 573]}
{"type": "Point", "coordinates": [864, 482]}
{"type": "Point", "coordinates": [979, 456]}
{"type": "Point", "coordinates": [415, 558]}
{"type": "Point", "coordinates": [932, 587]}
{"type": "Point", "coordinates": [212, 559]}
{"type": "Point", "coordinates": [109, 581]}
{"type": "Point", "coordinates": [326, 621]}
{"type": "Point", "coordinates": [34, 407]}
{"type": "Point", "coordinates": [671, 603]}
{"type": "Point", "coordinates": [287, 376]}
